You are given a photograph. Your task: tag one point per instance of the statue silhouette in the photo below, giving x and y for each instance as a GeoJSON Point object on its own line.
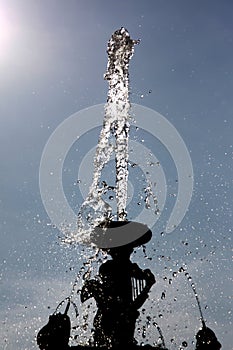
{"type": "Point", "coordinates": [207, 340]}
{"type": "Point", "coordinates": [55, 334]}
{"type": "Point", "coordinates": [119, 290]}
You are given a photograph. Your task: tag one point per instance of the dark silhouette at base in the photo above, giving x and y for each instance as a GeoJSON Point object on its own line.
{"type": "Point", "coordinates": [119, 290]}
{"type": "Point", "coordinates": [55, 334]}
{"type": "Point", "coordinates": [117, 299]}
{"type": "Point", "coordinates": [207, 340]}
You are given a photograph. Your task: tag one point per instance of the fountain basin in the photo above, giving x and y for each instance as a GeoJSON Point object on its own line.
{"type": "Point", "coordinates": [113, 234]}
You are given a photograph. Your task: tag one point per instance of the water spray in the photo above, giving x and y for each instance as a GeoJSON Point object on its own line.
{"type": "Point", "coordinates": [197, 299]}
{"type": "Point", "coordinates": [160, 334]}
{"type": "Point", "coordinates": [69, 302]}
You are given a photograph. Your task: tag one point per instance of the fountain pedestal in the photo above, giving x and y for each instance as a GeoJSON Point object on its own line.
{"type": "Point", "coordinates": [121, 287]}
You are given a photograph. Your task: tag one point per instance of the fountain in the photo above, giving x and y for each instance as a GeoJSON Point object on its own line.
{"type": "Point", "coordinates": [113, 137]}
{"type": "Point", "coordinates": [121, 287]}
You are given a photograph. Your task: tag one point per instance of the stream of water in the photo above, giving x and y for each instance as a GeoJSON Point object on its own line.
{"type": "Point", "coordinates": [113, 138]}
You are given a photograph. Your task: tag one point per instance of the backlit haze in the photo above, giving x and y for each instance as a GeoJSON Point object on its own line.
{"type": "Point", "coordinates": [52, 61]}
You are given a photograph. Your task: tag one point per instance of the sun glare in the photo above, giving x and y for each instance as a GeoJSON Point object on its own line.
{"type": "Point", "coordinates": [6, 33]}
{"type": "Point", "coordinates": [4, 28]}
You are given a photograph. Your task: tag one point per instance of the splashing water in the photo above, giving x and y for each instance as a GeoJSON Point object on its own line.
{"type": "Point", "coordinates": [113, 138]}
{"type": "Point", "coordinates": [151, 200]}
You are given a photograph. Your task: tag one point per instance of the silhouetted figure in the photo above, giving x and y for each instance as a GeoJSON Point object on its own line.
{"type": "Point", "coordinates": [207, 340]}
{"type": "Point", "coordinates": [120, 290]}
{"type": "Point", "coordinates": [55, 334]}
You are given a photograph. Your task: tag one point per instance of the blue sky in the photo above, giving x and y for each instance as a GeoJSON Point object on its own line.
{"type": "Point", "coordinates": [52, 61]}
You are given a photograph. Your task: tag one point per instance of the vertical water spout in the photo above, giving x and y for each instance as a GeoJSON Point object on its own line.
{"type": "Point", "coordinates": [117, 110]}
{"type": "Point", "coordinates": [113, 136]}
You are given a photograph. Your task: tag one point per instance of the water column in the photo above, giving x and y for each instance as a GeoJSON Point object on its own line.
{"type": "Point", "coordinates": [113, 136]}
{"type": "Point", "coordinates": [117, 110]}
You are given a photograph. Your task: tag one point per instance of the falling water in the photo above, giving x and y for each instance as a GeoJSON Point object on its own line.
{"type": "Point", "coordinates": [197, 299]}
{"type": "Point", "coordinates": [113, 137]}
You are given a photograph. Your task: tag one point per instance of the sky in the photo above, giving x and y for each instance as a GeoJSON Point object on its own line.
{"type": "Point", "coordinates": [52, 61]}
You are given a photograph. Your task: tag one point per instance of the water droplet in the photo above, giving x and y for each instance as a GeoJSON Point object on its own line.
{"type": "Point", "coordinates": [184, 344]}
{"type": "Point", "coordinates": [163, 296]}
{"type": "Point", "coordinates": [111, 198]}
